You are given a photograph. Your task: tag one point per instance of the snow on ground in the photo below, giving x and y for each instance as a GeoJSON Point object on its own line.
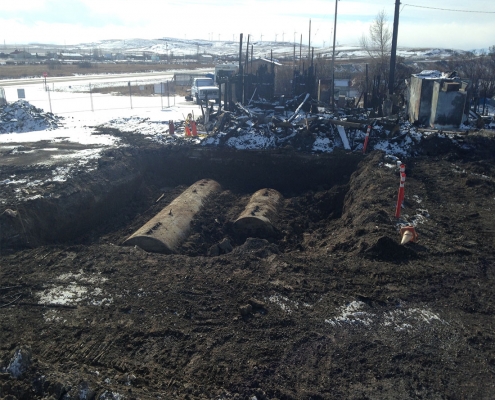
{"type": "Point", "coordinates": [72, 289]}
{"type": "Point", "coordinates": [149, 117]}
{"type": "Point", "coordinates": [73, 121]}
{"type": "Point", "coordinates": [70, 140]}
{"type": "Point", "coordinates": [23, 117]}
{"type": "Point", "coordinates": [359, 314]}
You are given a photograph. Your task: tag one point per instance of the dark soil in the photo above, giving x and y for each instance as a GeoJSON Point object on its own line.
{"type": "Point", "coordinates": [331, 306]}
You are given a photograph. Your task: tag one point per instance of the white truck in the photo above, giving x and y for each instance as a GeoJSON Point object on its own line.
{"type": "Point", "coordinates": [203, 89]}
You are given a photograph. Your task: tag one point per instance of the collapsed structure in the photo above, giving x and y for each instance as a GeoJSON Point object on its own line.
{"type": "Point", "coordinates": [437, 100]}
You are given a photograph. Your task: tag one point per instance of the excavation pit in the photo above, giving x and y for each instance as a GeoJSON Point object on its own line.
{"type": "Point", "coordinates": [131, 186]}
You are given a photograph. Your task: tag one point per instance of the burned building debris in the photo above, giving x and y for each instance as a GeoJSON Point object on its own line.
{"type": "Point", "coordinates": [254, 118]}
{"type": "Point", "coordinates": [437, 100]}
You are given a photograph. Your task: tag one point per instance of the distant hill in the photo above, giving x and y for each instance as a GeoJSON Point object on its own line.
{"type": "Point", "coordinates": [229, 48]}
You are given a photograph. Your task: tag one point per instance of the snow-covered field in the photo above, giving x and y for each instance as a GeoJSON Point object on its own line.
{"type": "Point", "coordinates": [76, 121]}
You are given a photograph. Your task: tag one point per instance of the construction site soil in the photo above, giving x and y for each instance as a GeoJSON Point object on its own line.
{"type": "Point", "coordinates": [330, 306]}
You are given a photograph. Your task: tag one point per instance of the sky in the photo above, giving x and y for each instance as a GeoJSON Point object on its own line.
{"type": "Point", "coordinates": [68, 22]}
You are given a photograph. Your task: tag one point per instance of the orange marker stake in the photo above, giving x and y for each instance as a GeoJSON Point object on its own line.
{"type": "Point", "coordinates": [400, 196]}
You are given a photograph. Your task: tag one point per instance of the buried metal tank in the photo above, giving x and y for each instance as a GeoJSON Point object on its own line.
{"type": "Point", "coordinates": [258, 217]}
{"type": "Point", "coordinates": [166, 230]}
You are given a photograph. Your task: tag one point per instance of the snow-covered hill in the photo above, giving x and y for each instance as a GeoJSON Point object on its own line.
{"type": "Point", "coordinates": [225, 48]}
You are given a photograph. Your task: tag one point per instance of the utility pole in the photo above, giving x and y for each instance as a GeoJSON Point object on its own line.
{"type": "Point", "coordinates": [241, 70]}
{"type": "Point", "coordinates": [247, 55]}
{"type": "Point", "coordinates": [294, 61]}
{"type": "Point", "coordinates": [300, 53]}
{"type": "Point", "coordinates": [394, 48]}
{"type": "Point", "coordinates": [252, 52]}
{"type": "Point", "coordinates": [332, 94]}
{"type": "Point", "coordinates": [309, 41]}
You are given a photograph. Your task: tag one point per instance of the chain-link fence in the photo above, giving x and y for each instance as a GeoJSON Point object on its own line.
{"type": "Point", "coordinates": [60, 99]}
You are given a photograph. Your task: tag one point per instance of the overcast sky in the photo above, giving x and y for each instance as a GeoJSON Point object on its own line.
{"type": "Point", "coordinates": [81, 21]}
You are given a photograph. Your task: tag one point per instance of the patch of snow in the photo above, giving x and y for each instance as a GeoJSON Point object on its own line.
{"type": "Point", "coordinates": [251, 141]}
{"type": "Point", "coordinates": [283, 302]}
{"type": "Point", "coordinates": [401, 320]}
{"type": "Point", "coordinates": [417, 199]}
{"type": "Point", "coordinates": [323, 144]}
{"type": "Point", "coordinates": [429, 74]}
{"type": "Point", "coordinates": [390, 148]}
{"type": "Point", "coordinates": [52, 316]}
{"type": "Point", "coordinates": [21, 116]}
{"type": "Point", "coordinates": [74, 291]}
{"type": "Point", "coordinates": [352, 313]}
{"type": "Point", "coordinates": [81, 276]}
{"type": "Point", "coordinates": [357, 313]}
{"type": "Point", "coordinates": [64, 295]}
{"type": "Point", "coordinates": [18, 363]}
{"type": "Point", "coordinates": [107, 395]}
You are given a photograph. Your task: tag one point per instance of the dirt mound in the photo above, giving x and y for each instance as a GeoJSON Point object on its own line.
{"type": "Point", "coordinates": [332, 306]}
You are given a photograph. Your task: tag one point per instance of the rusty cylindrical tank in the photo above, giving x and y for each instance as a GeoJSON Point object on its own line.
{"type": "Point", "coordinates": [170, 227]}
{"type": "Point", "coordinates": [259, 216]}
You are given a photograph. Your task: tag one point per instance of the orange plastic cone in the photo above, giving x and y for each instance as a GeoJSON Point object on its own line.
{"type": "Point", "coordinates": [408, 234]}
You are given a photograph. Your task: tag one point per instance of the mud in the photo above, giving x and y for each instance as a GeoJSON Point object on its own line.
{"type": "Point", "coordinates": [330, 306]}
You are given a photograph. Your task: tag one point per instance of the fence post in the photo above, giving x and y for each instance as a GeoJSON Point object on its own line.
{"type": "Point", "coordinates": [91, 97]}
{"type": "Point", "coordinates": [161, 94]}
{"type": "Point", "coordinates": [49, 100]}
{"type": "Point", "coordinates": [130, 93]}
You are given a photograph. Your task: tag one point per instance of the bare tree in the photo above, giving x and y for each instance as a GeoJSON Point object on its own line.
{"type": "Point", "coordinates": [479, 68]}
{"type": "Point", "coordinates": [378, 43]}
{"type": "Point", "coordinates": [378, 46]}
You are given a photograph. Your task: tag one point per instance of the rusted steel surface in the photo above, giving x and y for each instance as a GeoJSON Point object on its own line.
{"type": "Point", "coordinates": [260, 214]}
{"type": "Point", "coordinates": [166, 230]}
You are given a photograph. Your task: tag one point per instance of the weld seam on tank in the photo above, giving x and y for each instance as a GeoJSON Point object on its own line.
{"type": "Point", "coordinates": [171, 226]}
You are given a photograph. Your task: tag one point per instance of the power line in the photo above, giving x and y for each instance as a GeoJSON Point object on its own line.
{"type": "Point", "coordinates": [450, 9]}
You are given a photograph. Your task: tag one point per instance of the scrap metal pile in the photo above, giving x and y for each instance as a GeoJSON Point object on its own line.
{"type": "Point", "coordinates": [299, 124]}
{"type": "Point", "coordinates": [21, 116]}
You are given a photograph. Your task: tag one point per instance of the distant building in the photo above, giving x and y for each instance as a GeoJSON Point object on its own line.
{"type": "Point", "coordinates": [205, 59]}
{"type": "Point", "coordinates": [20, 55]}
{"type": "Point", "coordinates": [70, 56]}
{"type": "Point", "coordinates": [120, 57]}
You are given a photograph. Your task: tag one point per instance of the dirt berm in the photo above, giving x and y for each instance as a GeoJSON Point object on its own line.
{"type": "Point", "coordinates": [330, 306]}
